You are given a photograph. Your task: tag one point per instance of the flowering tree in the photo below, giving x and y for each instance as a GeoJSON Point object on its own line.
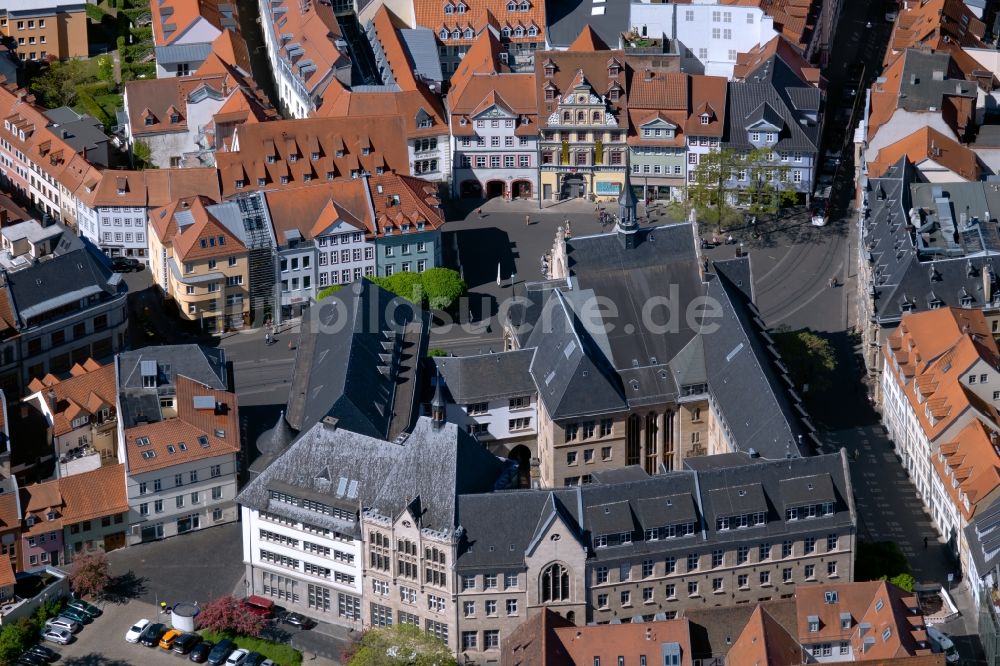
{"type": "Point", "coordinates": [90, 574]}
{"type": "Point", "coordinates": [227, 615]}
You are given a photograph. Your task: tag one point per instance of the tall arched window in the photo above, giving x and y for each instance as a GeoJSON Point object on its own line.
{"type": "Point", "coordinates": [555, 583]}
{"type": "Point", "coordinates": [632, 428]}
{"type": "Point", "coordinates": [651, 432]}
{"type": "Point", "coordinates": [581, 116]}
{"type": "Point", "coordinates": [567, 117]}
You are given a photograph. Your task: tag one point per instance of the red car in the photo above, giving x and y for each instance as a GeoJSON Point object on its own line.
{"type": "Point", "coordinates": [259, 606]}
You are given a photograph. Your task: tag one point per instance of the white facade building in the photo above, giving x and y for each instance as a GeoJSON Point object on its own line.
{"type": "Point", "coordinates": [710, 34]}
{"type": "Point", "coordinates": [302, 564]}
{"type": "Point", "coordinates": [498, 158]}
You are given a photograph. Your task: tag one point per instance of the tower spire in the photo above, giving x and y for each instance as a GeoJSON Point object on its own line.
{"type": "Point", "coordinates": [628, 224]}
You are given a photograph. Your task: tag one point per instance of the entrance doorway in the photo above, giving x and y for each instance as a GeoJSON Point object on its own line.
{"type": "Point", "coordinates": [494, 188]}
{"type": "Point", "coordinates": [471, 189]}
{"type": "Point", "coordinates": [522, 455]}
{"type": "Point", "coordinates": [521, 189]}
{"type": "Point", "coordinates": [573, 186]}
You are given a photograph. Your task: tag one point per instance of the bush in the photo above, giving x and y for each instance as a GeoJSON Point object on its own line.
{"type": "Point", "coordinates": [89, 105]}
{"type": "Point", "coordinates": [329, 291]}
{"type": "Point", "coordinates": [95, 13]}
{"type": "Point", "coordinates": [903, 581]}
{"type": "Point", "coordinates": [15, 639]}
{"type": "Point", "coordinates": [90, 574]}
{"type": "Point", "coordinates": [434, 353]}
{"type": "Point", "coordinates": [277, 652]}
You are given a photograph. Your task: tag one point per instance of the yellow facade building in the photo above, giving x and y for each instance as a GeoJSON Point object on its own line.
{"type": "Point", "coordinates": [200, 264]}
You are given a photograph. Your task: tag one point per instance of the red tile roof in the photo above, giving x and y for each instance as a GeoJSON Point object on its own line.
{"type": "Point", "coordinates": [89, 388]}
{"type": "Point", "coordinates": [180, 439]}
{"type": "Point", "coordinates": [928, 145]}
{"type": "Point", "coordinates": [95, 494]}
{"type": "Point", "coordinates": [477, 14]}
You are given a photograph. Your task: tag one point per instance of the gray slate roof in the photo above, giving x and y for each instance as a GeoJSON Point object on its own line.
{"type": "Point", "coordinates": [80, 131]}
{"type": "Point", "coordinates": [927, 77]}
{"type": "Point", "coordinates": [487, 376]}
{"type": "Point", "coordinates": [500, 526]}
{"type": "Point", "coordinates": [346, 339]}
{"type": "Point", "coordinates": [205, 365]}
{"type": "Point", "coordinates": [911, 273]}
{"type": "Point", "coordinates": [421, 46]}
{"type": "Point", "coordinates": [565, 20]}
{"type": "Point", "coordinates": [62, 280]}
{"type": "Point", "coordinates": [752, 396]}
{"type": "Point", "coordinates": [983, 537]}
{"type": "Point", "coordinates": [424, 471]}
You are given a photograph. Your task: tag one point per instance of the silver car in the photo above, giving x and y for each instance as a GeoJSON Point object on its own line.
{"type": "Point", "coordinates": [56, 635]}
{"type": "Point", "coordinates": [64, 623]}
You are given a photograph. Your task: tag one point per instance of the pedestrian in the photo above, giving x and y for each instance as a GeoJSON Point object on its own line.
{"type": "Point", "coordinates": [925, 543]}
{"type": "Point", "coordinates": [479, 212]}
{"type": "Point", "coordinates": [857, 454]}
{"type": "Point", "coordinates": [730, 241]}
{"type": "Point", "coordinates": [527, 220]}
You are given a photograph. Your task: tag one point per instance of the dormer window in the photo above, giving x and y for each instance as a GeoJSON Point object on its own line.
{"type": "Point", "coordinates": [270, 159]}
{"type": "Point", "coordinates": [550, 94]}
{"type": "Point", "coordinates": [524, 6]}
{"type": "Point", "coordinates": [51, 515]}
{"type": "Point", "coordinates": [550, 70]}
{"type": "Point", "coordinates": [443, 34]}
{"type": "Point", "coordinates": [261, 182]}
{"type": "Point", "coordinates": [174, 118]}
{"type": "Point", "coordinates": [293, 158]}
{"type": "Point", "coordinates": [519, 31]}
{"type": "Point", "coordinates": [339, 153]}
{"type": "Point", "coordinates": [532, 31]}
{"type": "Point", "coordinates": [461, 9]}
{"type": "Point", "coordinates": [505, 32]}
{"type": "Point", "coordinates": [469, 34]}
{"type": "Point", "coordinates": [314, 156]}
{"type": "Point", "coordinates": [449, 9]}
{"type": "Point", "coordinates": [511, 6]}
{"type": "Point", "coordinates": [240, 183]}
{"type": "Point", "coordinates": [366, 151]}
{"type": "Point", "coordinates": [149, 121]}
{"type": "Point", "coordinates": [456, 34]}
{"type": "Point", "coordinates": [613, 69]}
{"type": "Point", "coordinates": [705, 119]}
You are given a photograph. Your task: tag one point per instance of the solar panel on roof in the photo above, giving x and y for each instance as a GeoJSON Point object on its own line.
{"type": "Point", "coordinates": [204, 402]}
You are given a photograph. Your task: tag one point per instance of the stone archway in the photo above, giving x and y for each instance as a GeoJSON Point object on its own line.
{"type": "Point", "coordinates": [470, 189]}
{"type": "Point", "coordinates": [573, 186]}
{"type": "Point", "coordinates": [521, 454]}
{"type": "Point", "coordinates": [495, 188]}
{"type": "Point", "coordinates": [520, 189]}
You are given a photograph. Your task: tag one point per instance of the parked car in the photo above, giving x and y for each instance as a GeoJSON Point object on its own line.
{"type": "Point", "coordinates": [57, 635]}
{"type": "Point", "coordinates": [185, 643]}
{"type": "Point", "coordinates": [253, 659]}
{"type": "Point", "coordinates": [84, 607]}
{"type": "Point", "coordinates": [220, 652]}
{"type": "Point", "coordinates": [237, 657]}
{"type": "Point", "coordinates": [298, 620]}
{"type": "Point", "coordinates": [167, 641]}
{"type": "Point", "coordinates": [152, 635]}
{"type": "Point", "coordinates": [72, 626]}
{"type": "Point", "coordinates": [77, 616]}
{"type": "Point", "coordinates": [126, 264]}
{"type": "Point", "coordinates": [200, 652]}
{"type": "Point", "coordinates": [259, 606]}
{"type": "Point", "coordinates": [133, 634]}
{"type": "Point", "coordinates": [45, 652]}
{"type": "Point", "coordinates": [891, 16]}
{"type": "Point", "coordinates": [941, 642]}
{"type": "Point", "coordinates": [268, 662]}
{"type": "Point", "coordinates": [29, 659]}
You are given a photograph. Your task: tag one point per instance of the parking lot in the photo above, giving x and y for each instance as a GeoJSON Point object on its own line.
{"type": "Point", "coordinates": [102, 642]}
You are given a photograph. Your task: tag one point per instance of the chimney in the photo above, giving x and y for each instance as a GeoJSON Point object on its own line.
{"type": "Point", "coordinates": [987, 283]}
{"type": "Point", "coordinates": [52, 401]}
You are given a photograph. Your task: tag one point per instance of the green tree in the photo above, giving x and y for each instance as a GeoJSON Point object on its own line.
{"type": "Point", "coordinates": [442, 287]}
{"type": "Point", "coordinates": [405, 285]}
{"type": "Point", "coordinates": [903, 581]}
{"type": "Point", "coordinates": [143, 155]}
{"type": "Point", "coordinates": [329, 291]}
{"type": "Point", "coordinates": [105, 67]}
{"type": "Point", "coordinates": [57, 86]}
{"type": "Point", "coordinates": [808, 357]}
{"type": "Point", "coordinates": [401, 645]}
{"type": "Point", "coordinates": [15, 638]}
{"type": "Point", "coordinates": [716, 196]}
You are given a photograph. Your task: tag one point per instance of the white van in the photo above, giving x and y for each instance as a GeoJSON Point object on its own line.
{"type": "Point", "coordinates": [940, 642]}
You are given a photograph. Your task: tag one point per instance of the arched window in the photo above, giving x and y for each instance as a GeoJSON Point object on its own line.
{"type": "Point", "coordinates": [581, 116]}
{"type": "Point", "coordinates": [595, 117]}
{"type": "Point", "coordinates": [632, 428]}
{"type": "Point", "coordinates": [555, 583]}
{"type": "Point", "coordinates": [651, 432]}
{"type": "Point", "coordinates": [571, 616]}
